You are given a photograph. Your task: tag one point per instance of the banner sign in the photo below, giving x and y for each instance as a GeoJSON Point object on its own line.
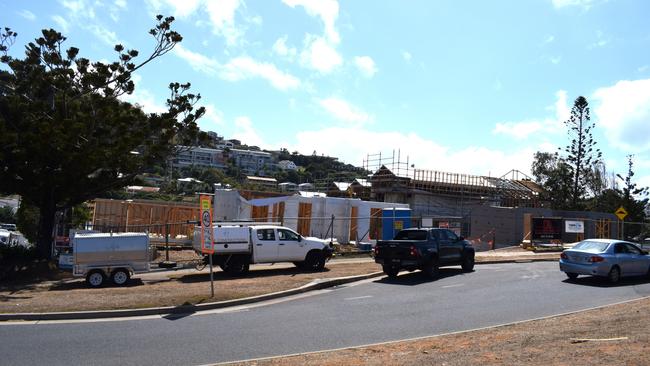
{"type": "Point", "coordinates": [546, 229]}
{"type": "Point", "coordinates": [207, 240]}
{"type": "Point", "coordinates": [577, 227]}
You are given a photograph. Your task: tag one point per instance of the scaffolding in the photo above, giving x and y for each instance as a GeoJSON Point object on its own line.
{"type": "Point", "coordinates": [391, 175]}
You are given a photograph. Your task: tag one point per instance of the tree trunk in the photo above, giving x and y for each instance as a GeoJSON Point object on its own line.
{"type": "Point", "coordinates": [45, 236]}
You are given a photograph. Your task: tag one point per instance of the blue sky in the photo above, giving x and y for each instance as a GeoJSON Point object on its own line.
{"type": "Point", "coordinates": [462, 86]}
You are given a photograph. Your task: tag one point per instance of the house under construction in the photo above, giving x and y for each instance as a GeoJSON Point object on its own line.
{"type": "Point", "coordinates": [430, 192]}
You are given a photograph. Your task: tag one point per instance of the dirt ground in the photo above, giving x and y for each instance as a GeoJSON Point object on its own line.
{"type": "Point", "coordinates": [163, 289]}
{"type": "Point", "coordinates": [615, 335]}
{"type": "Point", "coordinates": [189, 286]}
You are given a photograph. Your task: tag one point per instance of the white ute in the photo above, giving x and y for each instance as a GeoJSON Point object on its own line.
{"type": "Point", "coordinates": [236, 247]}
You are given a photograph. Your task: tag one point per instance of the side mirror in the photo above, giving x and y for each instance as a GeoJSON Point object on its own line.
{"type": "Point", "coordinates": [461, 238]}
{"type": "Point", "coordinates": [299, 238]}
{"type": "Point", "coordinates": [645, 252]}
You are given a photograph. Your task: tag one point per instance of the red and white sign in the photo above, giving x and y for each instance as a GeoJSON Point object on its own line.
{"type": "Point", "coordinates": [207, 240]}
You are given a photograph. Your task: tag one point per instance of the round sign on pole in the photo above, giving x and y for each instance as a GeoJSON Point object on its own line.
{"type": "Point", "coordinates": [206, 218]}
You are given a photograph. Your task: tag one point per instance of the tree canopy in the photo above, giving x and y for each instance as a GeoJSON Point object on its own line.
{"type": "Point", "coordinates": [65, 135]}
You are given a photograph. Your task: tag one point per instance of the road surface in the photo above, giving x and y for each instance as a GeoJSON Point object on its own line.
{"type": "Point", "coordinates": [372, 311]}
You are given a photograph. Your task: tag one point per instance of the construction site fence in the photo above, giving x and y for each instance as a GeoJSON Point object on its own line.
{"type": "Point", "coordinates": [364, 230]}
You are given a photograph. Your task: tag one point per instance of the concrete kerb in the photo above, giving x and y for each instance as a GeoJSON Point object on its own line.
{"type": "Point", "coordinates": [189, 309]}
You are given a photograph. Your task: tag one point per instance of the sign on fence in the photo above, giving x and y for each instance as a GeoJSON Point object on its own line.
{"type": "Point", "coordinates": [546, 228]}
{"type": "Point", "coordinates": [577, 227]}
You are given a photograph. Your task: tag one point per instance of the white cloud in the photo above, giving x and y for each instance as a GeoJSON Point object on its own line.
{"type": "Point", "coordinates": [642, 68]}
{"type": "Point", "coordinates": [624, 111]}
{"type": "Point", "coordinates": [280, 47]}
{"type": "Point", "coordinates": [181, 8]}
{"type": "Point", "coordinates": [246, 133]}
{"type": "Point", "coordinates": [120, 4]}
{"type": "Point", "coordinates": [197, 61]}
{"type": "Point", "coordinates": [212, 117]}
{"type": "Point", "coordinates": [79, 8]}
{"type": "Point", "coordinates": [523, 129]}
{"type": "Point", "coordinates": [585, 4]}
{"type": "Point", "coordinates": [319, 55]}
{"type": "Point", "coordinates": [143, 97]}
{"type": "Point", "coordinates": [105, 35]}
{"type": "Point", "coordinates": [343, 110]}
{"type": "Point", "coordinates": [555, 60]}
{"type": "Point", "coordinates": [549, 39]}
{"type": "Point", "coordinates": [407, 56]}
{"type": "Point", "coordinates": [239, 68]}
{"type": "Point", "coordinates": [220, 13]}
{"type": "Point", "coordinates": [497, 86]}
{"type": "Point", "coordinates": [61, 23]}
{"type": "Point", "coordinates": [352, 144]}
{"type": "Point", "coordinates": [222, 16]}
{"type": "Point", "coordinates": [327, 10]}
{"type": "Point", "coordinates": [27, 14]}
{"type": "Point", "coordinates": [366, 65]}
{"type": "Point", "coordinates": [244, 67]}
{"type": "Point", "coordinates": [601, 40]}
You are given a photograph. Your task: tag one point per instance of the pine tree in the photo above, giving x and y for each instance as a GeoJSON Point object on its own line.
{"type": "Point", "coordinates": [582, 152]}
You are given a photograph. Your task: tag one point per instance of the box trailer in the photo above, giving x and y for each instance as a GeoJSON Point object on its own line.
{"type": "Point", "coordinates": [100, 256]}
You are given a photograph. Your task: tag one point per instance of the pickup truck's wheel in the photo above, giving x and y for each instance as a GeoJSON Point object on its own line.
{"type": "Point", "coordinates": [468, 262]}
{"type": "Point", "coordinates": [235, 266]}
{"type": "Point", "coordinates": [120, 276]}
{"type": "Point", "coordinates": [431, 269]}
{"type": "Point", "coordinates": [299, 264]}
{"type": "Point", "coordinates": [314, 261]}
{"type": "Point", "coordinates": [390, 271]}
{"type": "Point", "coordinates": [95, 278]}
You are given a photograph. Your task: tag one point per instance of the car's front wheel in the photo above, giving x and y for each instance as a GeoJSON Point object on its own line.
{"type": "Point", "coordinates": [468, 262]}
{"type": "Point", "coordinates": [315, 261]}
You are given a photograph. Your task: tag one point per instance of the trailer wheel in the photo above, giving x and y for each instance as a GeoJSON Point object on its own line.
{"type": "Point", "coordinates": [120, 276]}
{"type": "Point", "coordinates": [95, 278]}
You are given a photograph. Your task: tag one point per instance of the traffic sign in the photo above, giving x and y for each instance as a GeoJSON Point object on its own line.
{"type": "Point", "coordinates": [621, 213]}
{"type": "Point", "coordinates": [207, 241]}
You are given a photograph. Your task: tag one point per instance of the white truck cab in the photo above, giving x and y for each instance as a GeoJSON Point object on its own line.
{"type": "Point", "coordinates": [238, 246]}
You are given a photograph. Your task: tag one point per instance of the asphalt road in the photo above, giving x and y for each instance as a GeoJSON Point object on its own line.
{"type": "Point", "coordinates": [369, 312]}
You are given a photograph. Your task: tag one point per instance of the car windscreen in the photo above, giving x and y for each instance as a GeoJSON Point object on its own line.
{"type": "Point", "coordinates": [411, 235]}
{"type": "Point", "coordinates": [591, 246]}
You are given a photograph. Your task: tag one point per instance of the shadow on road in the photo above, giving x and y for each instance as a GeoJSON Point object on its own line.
{"type": "Point", "coordinates": [257, 273]}
{"type": "Point", "coordinates": [81, 284]}
{"type": "Point", "coordinates": [602, 282]}
{"type": "Point", "coordinates": [417, 277]}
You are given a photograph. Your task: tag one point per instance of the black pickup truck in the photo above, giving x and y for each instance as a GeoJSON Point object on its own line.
{"type": "Point", "coordinates": [424, 249]}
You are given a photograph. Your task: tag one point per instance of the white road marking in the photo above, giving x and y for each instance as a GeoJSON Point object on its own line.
{"type": "Point", "coordinates": [357, 298]}
{"type": "Point", "coordinates": [456, 285]}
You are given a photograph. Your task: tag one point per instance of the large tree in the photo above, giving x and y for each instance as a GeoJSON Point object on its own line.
{"type": "Point", "coordinates": [553, 173]}
{"type": "Point", "coordinates": [66, 136]}
{"type": "Point", "coordinates": [582, 154]}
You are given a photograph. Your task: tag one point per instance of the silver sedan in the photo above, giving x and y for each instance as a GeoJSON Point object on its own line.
{"type": "Point", "coordinates": [608, 258]}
